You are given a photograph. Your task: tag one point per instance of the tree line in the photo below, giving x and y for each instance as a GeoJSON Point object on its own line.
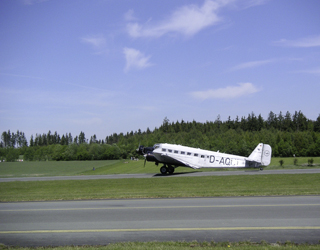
{"type": "Point", "coordinates": [288, 135]}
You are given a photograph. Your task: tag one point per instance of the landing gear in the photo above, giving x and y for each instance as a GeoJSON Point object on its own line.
{"type": "Point", "coordinates": [164, 169]}
{"type": "Point", "coordinates": [170, 169]}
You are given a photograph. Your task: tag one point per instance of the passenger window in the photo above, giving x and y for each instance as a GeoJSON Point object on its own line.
{"type": "Point", "coordinates": [169, 150]}
{"type": "Point", "coordinates": [183, 153]}
{"type": "Point", "coordinates": [202, 156]}
{"type": "Point", "coordinates": [196, 155]}
{"type": "Point", "coordinates": [176, 151]}
{"type": "Point", "coordinates": [164, 150]}
{"type": "Point", "coordinates": [188, 153]}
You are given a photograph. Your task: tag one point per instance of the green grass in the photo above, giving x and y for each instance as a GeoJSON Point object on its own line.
{"type": "Point", "coordinates": [207, 186]}
{"type": "Point", "coordinates": [137, 167]}
{"type": "Point", "coordinates": [302, 162]}
{"type": "Point", "coordinates": [67, 168]}
{"type": "Point", "coordinates": [181, 246]}
{"type": "Point", "coordinates": [146, 188]}
{"type": "Point", "coordinates": [49, 168]}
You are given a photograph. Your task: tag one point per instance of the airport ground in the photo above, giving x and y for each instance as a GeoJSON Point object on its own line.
{"type": "Point", "coordinates": [248, 184]}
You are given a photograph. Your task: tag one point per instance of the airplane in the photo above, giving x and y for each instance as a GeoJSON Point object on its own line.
{"type": "Point", "coordinates": [173, 156]}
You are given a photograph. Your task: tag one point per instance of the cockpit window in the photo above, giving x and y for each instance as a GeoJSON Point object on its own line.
{"type": "Point", "coordinates": [156, 146]}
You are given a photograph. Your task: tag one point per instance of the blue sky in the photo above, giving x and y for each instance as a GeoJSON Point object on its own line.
{"type": "Point", "coordinates": [110, 66]}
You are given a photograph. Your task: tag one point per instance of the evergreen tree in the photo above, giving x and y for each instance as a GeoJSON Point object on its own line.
{"type": "Point", "coordinates": [82, 138]}
{"type": "Point", "coordinates": [287, 123]}
{"type": "Point", "coordinates": [287, 135]}
{"type": "Point", "coordinates": [316, 126]}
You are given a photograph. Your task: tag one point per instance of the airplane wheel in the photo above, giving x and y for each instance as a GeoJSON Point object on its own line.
{"type": "Point", "coordinates": [170, 169]}
{"type": "Point", "coordinates": [163, 170]}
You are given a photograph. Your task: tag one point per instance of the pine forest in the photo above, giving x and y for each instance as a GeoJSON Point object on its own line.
{"type": "Point", "coordinates": [288, 134]}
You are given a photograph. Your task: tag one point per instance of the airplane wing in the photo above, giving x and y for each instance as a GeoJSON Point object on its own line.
{"type": "Point", "coordinates": [177, 161]}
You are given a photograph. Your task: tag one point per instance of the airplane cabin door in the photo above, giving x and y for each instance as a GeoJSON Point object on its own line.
{"type": "Point", "coordinates": [202, 160]}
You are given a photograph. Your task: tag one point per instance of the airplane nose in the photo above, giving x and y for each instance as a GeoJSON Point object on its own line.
{"type": "Point", "coordinates": [140, 150]}
{"type": "Point", "coordinates": [150, 157]}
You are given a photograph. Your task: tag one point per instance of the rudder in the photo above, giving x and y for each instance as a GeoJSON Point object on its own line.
{"type": "Point", "coordinates": [266, 155]}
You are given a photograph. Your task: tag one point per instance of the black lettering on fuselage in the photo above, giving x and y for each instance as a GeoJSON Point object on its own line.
{"type": "Point", "coordinates": [227, 161]}
{"type": "Point", "coordinates": [221, 161]}
{"type": "Point", "coordinates": [212, 158]}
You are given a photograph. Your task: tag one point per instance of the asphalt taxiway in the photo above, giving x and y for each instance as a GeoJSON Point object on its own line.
{"type": "Point", "coordinates": [99, 222]}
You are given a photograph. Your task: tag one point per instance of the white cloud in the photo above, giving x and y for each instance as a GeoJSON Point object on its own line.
{"type": "Point", "coordinates": [95, 41]}
{"type": "Point", "coordinates": [187, 20]}
{"type": "Point", "coordinates": [228, 92]}
{"type": "Point", "coordinates": [251, 64]}
{"type": "Point", "coordinates": [306, 42]}
{"type": "Point", "coordinates": [98, 43]}
{"type": "Point", "coordinates": [135, 59]}
{"type": "Point", "coordinates": [129, 16]}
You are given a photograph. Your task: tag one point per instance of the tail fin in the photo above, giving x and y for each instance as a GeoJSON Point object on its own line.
{"type": "Point", "coordinates": [266, 155]}
{"type": "Point", "coordinates": [261, 154]}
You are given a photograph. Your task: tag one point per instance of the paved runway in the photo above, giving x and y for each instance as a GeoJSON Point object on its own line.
{"type": "Point", "coordinates": [177, 174]}
{"type": "Point", "coordinates": [294, 218]}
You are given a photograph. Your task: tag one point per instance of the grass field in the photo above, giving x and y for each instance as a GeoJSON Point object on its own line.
{"type": "Point", "coordinates": [302, 162]}
{"type": "Point", "coordinates": [50, 168]}
{"type": "Point", "coordinates": [62, 168]}
{"type": "Point", "coordinates": [206, 186]}
{"type": "Point", "coordinates": [147, 188]}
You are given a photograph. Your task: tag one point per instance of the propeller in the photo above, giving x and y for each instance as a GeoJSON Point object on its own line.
{"type": "Point", "coordinates": [138, 149]}
{"type": "Point", "coordinates": [147, 153]}
{"type": "Point", "coordinates": [145, 160]}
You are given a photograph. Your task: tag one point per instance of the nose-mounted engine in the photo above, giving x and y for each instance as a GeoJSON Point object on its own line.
{"type": "Point", "coordinates": [146, 152]}
{"type": "Point", "coordinates": [142, 150]}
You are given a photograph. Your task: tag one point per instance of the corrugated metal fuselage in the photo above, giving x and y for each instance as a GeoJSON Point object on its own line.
{"type": "Point", "coordinates": [178, 155]}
